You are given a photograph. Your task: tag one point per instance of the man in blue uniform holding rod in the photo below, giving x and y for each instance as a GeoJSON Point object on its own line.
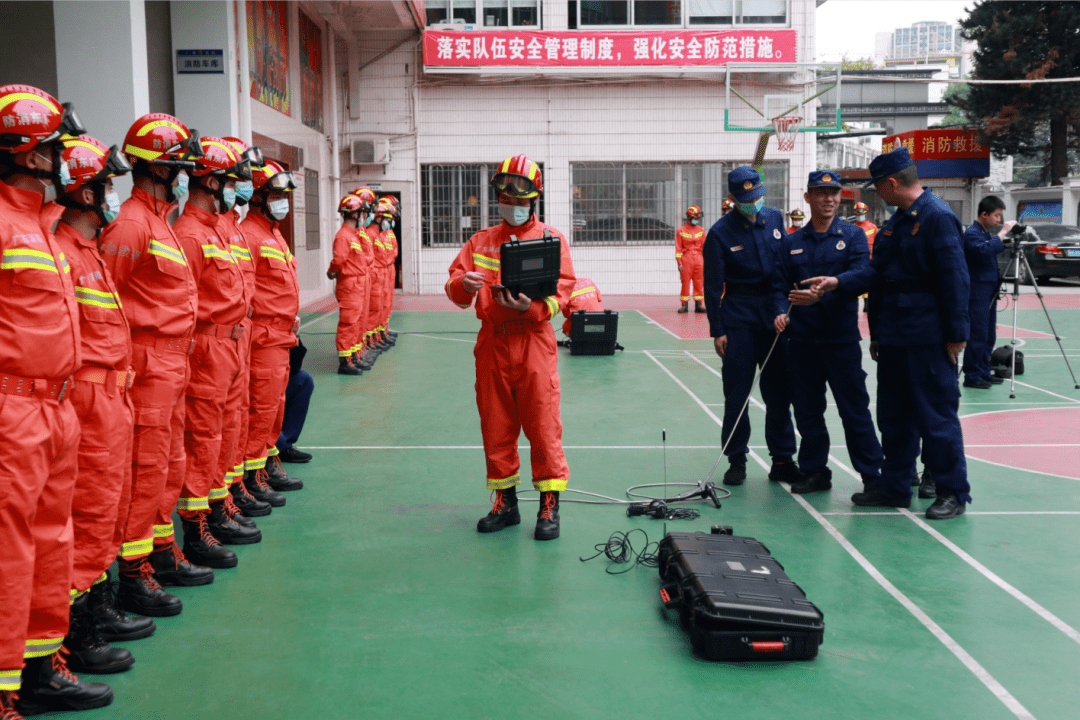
{"type": "Point", "coordinates": [918, 283]}
{"type": "Point", "coordinates": [741, 269]}
{"type": "Point", "coordinates": [981, 248]}
{"type": "Point", "coordinates": [823, 333]}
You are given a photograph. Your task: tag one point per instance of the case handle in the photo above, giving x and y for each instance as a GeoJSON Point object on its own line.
{"type": "Point", "coordinates": [767, 646]}
{"type": "Point", "coordinates": [670, 596]}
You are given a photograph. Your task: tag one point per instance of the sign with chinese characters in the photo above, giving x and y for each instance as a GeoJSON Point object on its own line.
{"type": "Point", "coordinates": [510, 48]}
{"type": "Point", "coordinates": [200, 62]}
{"type": "Point", "coordinates": [942, 153]}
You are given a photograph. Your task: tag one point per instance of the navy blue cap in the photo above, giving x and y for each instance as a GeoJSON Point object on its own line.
{"type": "Point", "coordinates": [745, 184]}
{"type": "Point", "coordinates": [823, 179]}
{"type": "Point", "coordinates": [891, 162]}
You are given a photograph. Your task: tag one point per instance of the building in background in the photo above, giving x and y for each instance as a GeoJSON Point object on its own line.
{"type": "Point", "coordinates": [923, 43]}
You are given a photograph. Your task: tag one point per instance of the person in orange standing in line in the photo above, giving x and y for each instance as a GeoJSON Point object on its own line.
{"type": "Point", "coordinates": [868, 227]}
{"type": "Point", "coordinates": [797, 219]}
{"type": "Point", "coordinates": [688, 241]}
{"type": "Point", "coordinates": [347, 268]}
{"type": "Point", "coordinates": [372, 340]}
{"type": "Point", "coordinates": [727, 207]}
{"type": "Point", "coordinates": [363, 357]}
{"type": "Point", "coordinates": [99, 396]}
{"type": "Point", "coordinates": [160, 299]}
{"type": "Point", "coordinates": [586, 296]}
{"type": "Point", "coordinates": [389, 258]}
{"type": "Point", "coordinates": [39, 351]}
{"type": "Point", "coordinates": [215, 361]}
{"type": "Point", "coordinates": [234, 425]}
{"type": "Point", "coordinates": [275, 320]}
{"type": "Point", "coordinates": [517, 376]}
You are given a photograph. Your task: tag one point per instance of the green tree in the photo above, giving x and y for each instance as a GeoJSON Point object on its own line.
{"type": "Point", "coordinates": [955, 94]}
{"type": "Point", "coordinates": [860, 64]}
{"type": "Point", "coordinates": [1026, 40]}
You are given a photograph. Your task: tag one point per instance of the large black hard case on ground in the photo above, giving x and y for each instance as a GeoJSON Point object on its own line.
{"type": "Point", "coordinates": [593, 333]}
{"type": "Point", "coordinates": [735, 600]}
{"type": "Point", "coordinates": [531, 267]}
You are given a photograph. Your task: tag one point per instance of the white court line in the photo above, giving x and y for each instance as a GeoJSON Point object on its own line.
{"type": "Point", "coordinates": [436, 337]}
{"type": "Point", "coordinates": [1033, 387]}
{"type": "Point", "coordinates": [650, 321]}
{"type": "Point", "coordinates": [1023, 445]}
{"type": "Point", "coordinates": [970, 512]}
{"type": "Point", "coordinates": [969, 662]}
{"type": "Point", "coordinates": [315, 320]}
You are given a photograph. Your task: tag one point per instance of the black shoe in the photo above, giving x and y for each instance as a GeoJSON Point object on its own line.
{"type": "Point", "coordinates": [89, 651]}
{"type": "Point", "coordinates": [946, 507]}
{"type": "Point", "coordinates": [698, 307]}
{"type": "Point", "coordinates": [785, 470]}
{"type": "Point", "coordinates": [873, 496]}
{"type": "Point", "coordinates": [233, 511]}
{"type": "Point", "coordinates": [255, 484]}
{"type": "Point", "coordinates": [141, 593]}
{"type": "Point", "coordinates": [915, 480]}
{"type": "Point", "coordinates": [392, 333]}
{"type": "Point", "coordinates": [359, 361]}
{"type": "Point", "coordinates": [226, 530]}
{"type": "Point", "coordinates": [928, 488]}
{"type": "Point", "coordinates": [503, 514]}
{"type": "Point", "coordinates": [202, 548]}
{"type": "Point", "coordinates": [345, 367]}
{"type": "Point", "coordinates": [278, 479]}
{"type": "Point", "coordinates": [736, 474]}
{"type": "Point", "coordinates": [980, 384]}
{"type": "Point", "coordinates": [172, 567]}
{"type": "Point", "coordinates": [7, 705]}
{"type": "Point", "coordinates": [814, 482]}
{"type": "Point", "coordinates": [682, 309]}
{"type": "Point", "coordinates": [48, 684]}
{"type": "Point", "coordinates": [995, 380]}
{"type": "Point", "coordinates": [547, 520]}
{"type": "Point", "coordinates": [246, 502]}
{"type": "Point", "coordinates": [292, 455]}
{"type": "Point", "coordinates": [112, 622]}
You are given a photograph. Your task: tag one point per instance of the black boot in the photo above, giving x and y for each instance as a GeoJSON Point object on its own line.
{"type": "Point", "coordinates": [682, 309]}
{"type": "Point", "coordinates": [345, 367]}
{"type": "Point", "coordinates": [547, 520]}
{"type": "Point", "coordinates": [814, 482]}
{"type": "Point", "coordinates": [503, 514]}
{"type": "Point", "coordinates": [292, 455]}
{"type": "Point", "coordinates": [228, 531]}
{"type": "Point", "coordinates": [946, 507]}
{"type": "Point", "coordinates": [360, 361]}
{"type": "Point", "coordinates": [255, 483]}
{"type": "Point", "coordinates": [7, 705]}
{"type": "Point", "coordinates": [141, 593]}
{"type": "Point", "coordinates": [698, 307]}
{"type": "Point", "coordinates": [391, 342]}
{"type": "Point", "coordinates": [736, 472]}
{"type": "Point", "coordinates": [171, 567]}
{"type": "Point", "coordinates": [928, 488]}
{"type": "Point", "coordinates": [247, 503]}
{"type": "Point", "coordinates": [278, 479]}
{"type": "Point", "coordinates": [48, 684]}
{"type": "Point", "coordinates": [201, 547]}
{"type": "Point", "coordinates": [113, 623]}
{"type": "Point", "coordinates": [784, 469]}
{"type": "Point", "coordinates": [89, 651]}
{"type": "Point", "coordinates": [235, 515]}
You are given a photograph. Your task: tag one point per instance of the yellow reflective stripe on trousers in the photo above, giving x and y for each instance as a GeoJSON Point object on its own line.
{"type": "Point", "coordinates": [23, 258]}
{"type": "Point", "coordinates": [136, 548]}
{"type": "Point", "coordinates": [10, 679]}
{"type": "Point", "coordinates": [97, 298]}
{"type": "Point", "coordinates": [163, 531]}
{"type": "Point", "coordinates": [582, 291]}
{"type": "Point", "coordinates": [191, 504]}
{"type": "Point", "coordinates": [553, 305]}
{"type": "Point", "coordinates": [219, 493]}
{"type": "Point", "coordinates": [550, 485]}
{"type": "Point", "coordinates": [488, 263]}
{"type": "Point", "coordinates": [272, 452]}
{"type": "Point", "coordinates": [504, 483]}
{"type": "Point", "coordinates": [256, 464]}
{"type": "Point", "coordinates": [42, 648]}
{"type": "Point", "coordinates": [169, 253]}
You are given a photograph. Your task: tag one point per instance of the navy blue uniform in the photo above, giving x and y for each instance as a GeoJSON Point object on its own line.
{"type": "Point", "coordinates": [981, 250]}
{"type": "Point", "coordinates": [825, 338]}
{"type": "Point", "coordinates": [741, 271]}
{"type": "Point", "coordinates": [919, 289]}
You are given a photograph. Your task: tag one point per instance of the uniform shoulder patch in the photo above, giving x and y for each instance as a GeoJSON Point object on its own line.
{"type": "Point", "coordinates": [915, 229]}
{"type": "Point", "coordinates": [776, 233]}
{"type": "Point", "coordinates": [799, 250]}
{"type": "Point", "coordinates": [841, 245]}
{"type": "Point", "coordinates": [736, 248]}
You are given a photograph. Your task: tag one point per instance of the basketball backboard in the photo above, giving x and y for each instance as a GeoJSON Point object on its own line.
{"type": "Point", "coordinates": [755, 94]}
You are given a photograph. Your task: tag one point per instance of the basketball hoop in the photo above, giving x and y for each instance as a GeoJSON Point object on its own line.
{"type": "Point", "coordinates": [787, 129]}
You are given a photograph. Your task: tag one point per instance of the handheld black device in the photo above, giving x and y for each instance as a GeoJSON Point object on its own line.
{"type": "Point", "coordinates": [531, 267]}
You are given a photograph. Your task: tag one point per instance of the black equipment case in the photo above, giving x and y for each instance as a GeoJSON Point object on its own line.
{"type": "Point", "coordinates": [531, 267]}
{"type": "Point", "coordinates": [593, 333]}
{"type": "Point", "coordinates": [735, 600]}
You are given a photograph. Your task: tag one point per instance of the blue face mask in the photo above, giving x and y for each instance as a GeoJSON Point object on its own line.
{"type": "Point", "coordinates": [112, 211]}
{"type": "Point", "coordinates": [386, 224]}
{"type": "Point", "coordinates": [228, 198]}
{"type": "Point", "coordinates": [752, 208]}
{"type": "Point", "coordinates": [181, 186]}
{"type": "Point", "coordinates": [244, 190]}
{"type": "Point", "coordinates": [368, 219]}
{"type": "Point", "coordinates": [695, 221]}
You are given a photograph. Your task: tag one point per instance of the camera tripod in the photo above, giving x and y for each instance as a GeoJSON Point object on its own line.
{"type": "Point", "coordinates": [1016, 257]}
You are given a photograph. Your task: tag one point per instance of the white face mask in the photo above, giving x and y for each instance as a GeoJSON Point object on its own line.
{"type": "Point", "coordinates": [515, 215]}
{"type": "Point", "coordinates": [278, 208]}
{"type": "Point", "coordinates": [112, 201]}
{"type": "Point", "coordinates": [860, 218]}
{"type": "Point", "coordinates": [386, 224]}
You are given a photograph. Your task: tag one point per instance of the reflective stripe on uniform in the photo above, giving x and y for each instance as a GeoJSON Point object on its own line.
{"type": "Point", "coordinates": [273, 252]}
{"type": "Point", "coordinates": [272, 452]}
{"type": "Point", "coordinates": [240, 253]}
{"type": "Point", "coordinates": [256, 464]}
{"type": "Point", "coordinates": [218, 493]}
{"type": "Point", "coordinates": [135, 548]}
{"type": "Point", "coordinates": [550, 485]}
{"type": "Point", "coordinates": [552, 305]}
{"type": "Point", "coordinates": [169, 253]}
{"type": "Point", "coordinates": [163, 531]}
{"type": "Point", "coordinates": [504, 483]}
{"type": "Point", "coordinates": [582, 291]}
{"type": "Point", "coordinates": [10, 679]}
{"type": "Point", "coordinates": [488, 263]}
{"type": "Point", "coordinates": [42, 648]}
{"type": "Point", "coordinates": [97, 298]}
{"type": "Point", "coordinates": [23, 258]}
{"type": "Point", "coordinates": [191, 505]}
{"type": "Point", "coordinates": [215, 251]}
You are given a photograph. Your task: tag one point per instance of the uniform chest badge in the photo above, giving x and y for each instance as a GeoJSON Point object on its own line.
{"type": "Point", "coordinates": [776, 233]}
{"type": "Point", "coordinates": [841, 245]}
{"type": "Point", "coordinates": [796, 252]}
{"type": "Point", "coordinates": [915, 229]}
{"type": "Point", "coordinates": [737, 248]}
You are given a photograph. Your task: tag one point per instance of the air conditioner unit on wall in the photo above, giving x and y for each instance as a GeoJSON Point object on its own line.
{"type": "Point", "coordinates": [457, 25]}
{"type": "Point", "coordinates": [370, 151]}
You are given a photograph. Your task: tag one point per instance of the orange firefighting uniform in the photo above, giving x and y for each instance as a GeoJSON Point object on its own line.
{"type": "Point", "coordinates": [276, 303]}
{"type": "Point", "coordinates": [792, 228]}
{"type": "Point", "coordinates": [688, 242]}
{"type": "Point", "coordinates": [234, 424]}
{"type": "Point", "coordinates": [215, 361]}
{"type": "Point", "coordinates": [517, 378]}
{"type": "Point", "coordinates": [350, 289]}
{"type": "Point", "coordinates": [103, 487]}
{"type": "Point", "coordinates": [377, 277]}
{"type": "Point", "coordinates": [390, 248]}
{"type": "Point", "coordinates": [368, 261]}
{"type": "Point", "coordinates": [586, 296]}
{"type": "Point", "coordinates": [160, 301]}
{"type": "Point", "coordinates": [39, 350]}
{"type": "Point", "coordinates": [871, 230]}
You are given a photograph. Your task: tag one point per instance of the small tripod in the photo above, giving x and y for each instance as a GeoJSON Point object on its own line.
{"type": "Point", "coordinates": [1016, 257]}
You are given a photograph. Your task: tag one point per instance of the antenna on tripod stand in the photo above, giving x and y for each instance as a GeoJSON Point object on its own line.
{"type": "Point", "coordinates": [663, 442]}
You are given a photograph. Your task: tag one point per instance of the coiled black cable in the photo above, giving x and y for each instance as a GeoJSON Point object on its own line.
{"type": "Point", "coordinates": [619, 550]}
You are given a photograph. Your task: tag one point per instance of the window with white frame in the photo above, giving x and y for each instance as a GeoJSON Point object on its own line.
{"type": "Point", "coordinates": [456, 201]}
{"type": "Point", "coordinates": [487, 13]}
{"type": "Point", "coordinates": [645, 203]}
{"type": "Point", "coordinates": [588, 14]}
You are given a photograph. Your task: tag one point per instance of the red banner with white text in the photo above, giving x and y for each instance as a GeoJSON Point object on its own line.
{"type": "Point", "coordinates": [510, 48]}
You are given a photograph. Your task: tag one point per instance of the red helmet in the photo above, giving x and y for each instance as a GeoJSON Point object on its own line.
{"type": "Point", "coordinates": [727, 207]}
{"type": "Point", "coordinates": [392, 202]}
{"type": "Point", "coordinates": [31, 117]}
{"type": "Point", "coordinates": [221, 158]}
{"type": "Point", "coordinates": [90, 161]}
{"type": "Point", "coordinates": [350, 204]}
{"type": "Point", "coordinates": [694, 213]}
{"type": "Point", "coordinates": [367, 196]}
{"type": "Point", "coordinates": [861, 209]}
{"type": "Point", "coordinates": [519, 177]}
{"type": "Point", "coordinates": [245, 150]}
{"type": "Point", "coordinates": [162, 139]}
{"type": "Point", "coordinates": [272, 176]}
{"type": "Point", "coordinates": [384, 209]}
{"type": "Point", "coordinates": [796, 214]}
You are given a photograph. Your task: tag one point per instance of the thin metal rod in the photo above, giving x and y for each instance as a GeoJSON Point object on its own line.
{"type": "Point", "coordinates": [1046, 312]}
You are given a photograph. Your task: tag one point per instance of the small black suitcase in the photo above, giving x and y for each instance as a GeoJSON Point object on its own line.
{"type": "Point", "coordinates": [593, 333]}
{"type": "Point", "coordinates": [735, 600]}
{"type": "Point", "coordinates": [531, 267]}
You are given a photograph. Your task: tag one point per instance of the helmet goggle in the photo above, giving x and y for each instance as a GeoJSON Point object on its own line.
{"type": "Point", "coordinates": [281, 181]}
{"type": "Point", "coordinates": [254, 157]}
{"type": "Point", "coordinates": [69, 124]}
{"type": "Point", "coordinates": [514, 185]}
{"type": "Point", "coordinates": [189, 150]}
{"type": "Point", "coordinates": [116, 164]}
{"type": "Point", "coordinates": [239, 171]}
